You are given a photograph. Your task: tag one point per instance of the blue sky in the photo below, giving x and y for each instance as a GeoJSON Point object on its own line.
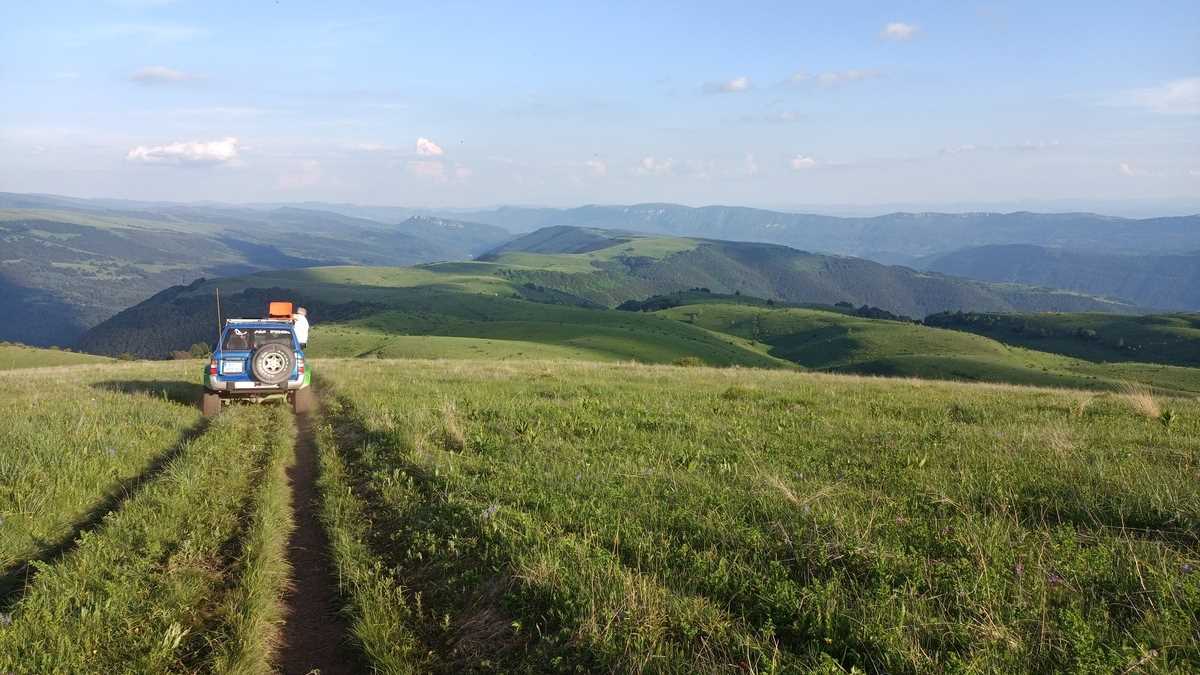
{"type": "Point", "coordinates": [465, 104]}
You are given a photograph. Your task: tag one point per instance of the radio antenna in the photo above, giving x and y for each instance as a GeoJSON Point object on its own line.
{"type": "Point", "coordinates": [219, 324]}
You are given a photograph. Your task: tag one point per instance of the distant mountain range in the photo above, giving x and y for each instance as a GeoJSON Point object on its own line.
{"type": "Point", "coordinates": [897, 238]}
{"type": "Point", "coordinates": [67, 263]}
{"type": "Point", "coordinates": [577, 267]}
{"type": "Point", "coordinates": [608, 267]}
{"type": "Point", "coordinates": [1159, 281]}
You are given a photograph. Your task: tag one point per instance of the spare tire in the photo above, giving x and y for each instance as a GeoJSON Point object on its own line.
{"type": "Point", "coordinates": [272, 364]}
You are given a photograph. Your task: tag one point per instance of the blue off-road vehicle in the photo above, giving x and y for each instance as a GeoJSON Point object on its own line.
{"type": "Point", "coordinates": [257, 360]}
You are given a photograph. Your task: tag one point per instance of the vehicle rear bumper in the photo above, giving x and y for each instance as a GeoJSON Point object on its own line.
{"type": "Point", "coordinates": [236, 388]}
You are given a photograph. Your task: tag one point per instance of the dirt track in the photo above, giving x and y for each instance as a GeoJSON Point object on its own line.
{"type": "Point", "coordinates": [314, 635]}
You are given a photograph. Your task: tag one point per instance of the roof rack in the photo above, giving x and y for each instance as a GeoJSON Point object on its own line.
{"type": "Point", "coordinates": [263, 320]}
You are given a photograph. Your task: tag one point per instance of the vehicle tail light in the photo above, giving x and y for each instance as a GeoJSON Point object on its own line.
{"type": "Point", "coordinates": [300, 365]}
{"type": "Point", "coordinates": [212, 367]}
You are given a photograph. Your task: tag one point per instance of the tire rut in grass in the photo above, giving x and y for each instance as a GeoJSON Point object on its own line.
{"type": "Point", "coordinates": [313, 637]}
{"type": "Point", "coordinates": [15, 580]}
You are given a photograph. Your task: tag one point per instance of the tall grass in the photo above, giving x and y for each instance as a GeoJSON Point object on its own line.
{"type": "Point", "coordinates": [1141, 400]}
{"type": "Point", "coordinates": [381, 611]}
{"type": "Point", "coordinates": [184, 571]}
{"type": "Point", "coordinates": [75, 443]}
{"type": "Point", "coordinates": [643, 518]}
{"type": "Point", "coordinates": [253, 611]}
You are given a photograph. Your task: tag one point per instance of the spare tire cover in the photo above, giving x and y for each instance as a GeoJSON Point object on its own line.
{"type": "Point", "coordinates": [271, 364]}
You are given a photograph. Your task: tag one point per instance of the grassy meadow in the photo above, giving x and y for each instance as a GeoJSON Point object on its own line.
{"type": "Point", "coordinates": [1161, 338]}
{"type": "Point", "coordinates": [14, 356]}
{"type": "Point", "coordinates": [826, 340]}
{"type": "Point", "coordinates": [138, 538]}
{"type": "Point", "coordinates": [563, 517]}
{"type": "Point", "coordinates": [568, 516]}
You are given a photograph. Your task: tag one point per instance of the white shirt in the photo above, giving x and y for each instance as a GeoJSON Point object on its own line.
{"type": "Point", "coordinates": [300, 325]}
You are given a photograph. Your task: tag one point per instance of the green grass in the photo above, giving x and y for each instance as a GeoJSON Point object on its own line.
{"type": "Point", "coordinates": [584, 263]}
{"type": "Point", "coordinates": [506, 328]}
{"type": "Point", "coordinates": [352, 341]}
{"type": "Point", "coordinates": [13, 356]}
{"type": "Point", "coordinates": [833, 341]}
{"type": "Point", "coordinates": [1172, 339]}
{"type": "Point", "coordinates": [531, 517]}
{"type": "Point", "coordinates": [551, 516]}
{"type": "Point", "coordinates": [340, 284]}
{"type": "Point", "coordinates": [121, 221]}
{"type": "Point", "coordinates": [138, 538]}
{"type": "Point", "coordinates": [73, 441]}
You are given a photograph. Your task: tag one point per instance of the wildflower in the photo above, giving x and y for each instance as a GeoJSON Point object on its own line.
{"type": "Point", "coordinates": [1019, 569]}
{"type": "Point", "coordinates": [5, 619]}
{"type": "Point", "coordinates": [1054, 578]}
{"type": "Point", "coordinates": [1188, 568]}
{"type": "Point", "coordinates": [112, 452]}
{"type": "Point", "coordinates": [489, 512]}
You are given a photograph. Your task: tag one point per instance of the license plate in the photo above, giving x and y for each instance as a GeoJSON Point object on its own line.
{"type": "Point", "coordinates": [231, 367]}
{"type": "Point", "coordinates": [245, 385]}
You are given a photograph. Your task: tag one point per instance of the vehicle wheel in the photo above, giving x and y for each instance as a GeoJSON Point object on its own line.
{"type": "Point", "coordinates": [210, 405]}
{"type": "Point", "coordinates": [272, 364]}
{"type": "Point", "coordinates": [303, 400]}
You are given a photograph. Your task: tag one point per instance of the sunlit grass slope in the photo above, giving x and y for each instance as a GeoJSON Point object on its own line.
{"type": "Point", "coordinates": [19, 356]}
{"type": "Point", "coordinates": [505, 328]}
{"type": "Point", "coordinates": [834, 341]}
{"type": "Point", "coordinates": [560, 517]}
{"type": "Point", "coordinates": [1159, 338]}
{"type": "Point", "coordinates": [137, 537]}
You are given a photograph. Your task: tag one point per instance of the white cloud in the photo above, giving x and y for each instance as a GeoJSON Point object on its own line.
{"type": "Point", "coordinates": [749, 166]}
{"type": "Point", "coordinates": [598, 167]}
{"type": "Point", "coordinates": [899, 31]}
{"type": "Point", "coordinates": [1128, 169]}
{"type": "Point", "coordinates": [428, 168]}
{"type": "Point", "coordinates": [224, 151]}
{"type": "Point", "coordinates": [1174, 97]}
{"type": "Point", "coordinates": [306, 175]}
{"type": "Point", "coordinates": [802, 163]}
{"type": "Point", "coordinates": [734, 86]}
{"type": "Point", "coordinates": [463, 173]}
{"type": "Point", "coordinates": [959, 149]}
{"type": "Point", "coordinates": [650, 166]}
{"type": "Point", "coordinates": [161, 75]}
{"type": "Point", "coordinates": [703, 169]}
{"type": "Point", "coordinates": [1024, 146]}
{"type": "Point", "coordinates": [427, 148]}
{"type": "Point", "coordinates": [836, 77]}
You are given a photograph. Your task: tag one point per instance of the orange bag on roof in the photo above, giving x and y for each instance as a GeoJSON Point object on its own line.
{"type": "Point", "coordinates": [280, 310]}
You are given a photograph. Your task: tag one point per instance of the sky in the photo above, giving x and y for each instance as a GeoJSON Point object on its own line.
{"type": "Point", "coordinates": [448, 104]}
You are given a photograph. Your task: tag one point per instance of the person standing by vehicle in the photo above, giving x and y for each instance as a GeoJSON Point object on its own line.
{"type": "Point", "coordinates": [300, 326]}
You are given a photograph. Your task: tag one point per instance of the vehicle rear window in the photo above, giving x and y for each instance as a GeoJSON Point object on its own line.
{"type": "Point", "coordinates": [245, 339]}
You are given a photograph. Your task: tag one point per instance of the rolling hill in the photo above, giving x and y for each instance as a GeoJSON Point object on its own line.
{"type": "Point", "coordinates": [364, 311]}
{"type": "Point", "coordinates": [1160, 281]}
{"type": "Point", "coordinates": [66, 265]}
{"type": "Point", "coordinates": [489, 310]}
{"type": "Point", "coordinates": [1158, 338]}
{"type": "Point", "coordinates": [835, 341]}
{"type": "Point", "coordinates": [14, 356]}
{"type": "Point", "coordinates": [609, 267]}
